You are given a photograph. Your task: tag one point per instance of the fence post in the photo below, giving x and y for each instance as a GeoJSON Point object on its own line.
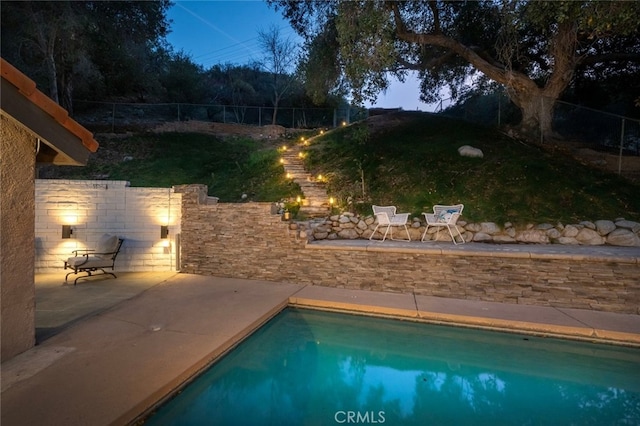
{"type": "Point", "coordinates": [540, 119]}
{"type": "Point", "coordinates": [113, 118]}
{"type": "Point", "coordinates": [621, 145]}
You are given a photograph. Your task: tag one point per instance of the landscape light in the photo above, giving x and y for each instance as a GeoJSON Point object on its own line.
{"type": "Point", "coordinates": [66, 231]}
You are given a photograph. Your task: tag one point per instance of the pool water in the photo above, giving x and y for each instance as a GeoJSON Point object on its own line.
{"type": "Point", "coordinates": [308, 367]}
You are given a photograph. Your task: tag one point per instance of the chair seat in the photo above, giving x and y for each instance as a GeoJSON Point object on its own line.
{"type": "Point", "coordinates": [89, 262]}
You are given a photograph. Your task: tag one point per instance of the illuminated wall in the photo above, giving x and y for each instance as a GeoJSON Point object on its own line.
{"type": "Point", "coordinates": [96, 207]}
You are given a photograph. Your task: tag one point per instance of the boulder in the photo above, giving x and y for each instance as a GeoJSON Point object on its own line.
{"type": "Point", "coordinates": [481, 237]}
{"type": "Point", "coordinates": [628, 224]}
{"type": "Point", "coordinates": [536, 236]}
{"type": "Point", "coordinates": [489, 228]}
{"type": "Point", "coordinates": [348, 234]}
{"type": "Point", "coordinates": [553, 233]}
{"type": "Point", "coordinates": [570, 231]}
{"type": "Point", "coordinates": [568, 241]}
{"type": "Point", "coordinates": [503, 239]}
{"type": "Point", "coordinates": [623, 237]}
{"type": "Point", "coordinates": [469, 151]}
{"type": "Point", "coordinates": [604, 227]}
{"type": "Point", "coordinates": [589, 237]}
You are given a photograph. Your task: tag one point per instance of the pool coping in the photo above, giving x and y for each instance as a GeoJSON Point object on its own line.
{"type": "Point", "coordinates": [600, 253]}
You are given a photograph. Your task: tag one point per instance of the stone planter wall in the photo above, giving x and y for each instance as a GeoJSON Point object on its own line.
{"type": "Point", "coordinates": [247, 241]}
{"type": "Point", "coordinates": [618, 232]}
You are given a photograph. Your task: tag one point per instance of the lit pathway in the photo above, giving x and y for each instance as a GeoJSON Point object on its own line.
{"type": "Point", "coordinates": [316, 201]}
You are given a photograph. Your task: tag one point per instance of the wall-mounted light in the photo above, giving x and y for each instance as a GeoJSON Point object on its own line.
{"type": "Point", "coordinates": [66, 231]}
{"type": "Point", "coordinates": [164, 231]}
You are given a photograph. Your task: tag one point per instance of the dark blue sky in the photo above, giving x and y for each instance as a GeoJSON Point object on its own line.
{"type": "Point", "coordinates": [226, 31]}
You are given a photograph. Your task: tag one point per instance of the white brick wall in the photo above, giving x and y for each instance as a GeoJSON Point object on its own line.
{"type": "Point", "coordinates": [96, 207]}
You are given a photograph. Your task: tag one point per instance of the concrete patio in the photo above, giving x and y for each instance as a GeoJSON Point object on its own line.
{"type": "Point", "coordinates": [110, 349]}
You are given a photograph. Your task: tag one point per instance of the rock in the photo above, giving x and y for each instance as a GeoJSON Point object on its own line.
{"type": "Point", "coordinates": [362, 225]}
{"type": "Point", "coordinates": [544, 226]}
{"type": "Point", "coordinates": [489, 228]}
{"type": "Point", "coordinates": [481, 237]}
{"type": "Point", "coordinates": [469, 151]}
{"type": "Point", "coordinates": [604, 227]}
{"type": "Point", "coordinates": [588, 224]}
{"type": "Point", "coordinates": [503, 239]}
{"type": "Point", "coordinates": [568, 241]}
{"type": "Point", "coordinates": [332, 237]}
{"type": "Point", "coordinates": [344, 219]}
{"type": "Point", "coordinates": [348, 234]}
{"type": "Point", "coordinates": [570, 231]}
{"type": "Point", "coordinates": [334, 218]}
{"type": "Point", "coordinates": [473, 227]}
{"type": "Point", "coordinates": [589, 237]}
{"type": "Point", "coordinates": [511, 232]}
{"type": "Point", "coordinates": [554, 234]}
{"type": "Point", "coordinates": [623, 237]}
{"type": "Point", "coordinates": [628, 224]}
{"type": "Point", "coordinates": [320, 235]}
{"type": "Point", "coordinates": [536, 236]}
{"type": "Point", "coordinates": [415, 224]}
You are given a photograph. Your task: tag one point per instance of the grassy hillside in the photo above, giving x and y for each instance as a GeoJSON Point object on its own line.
{"type": "Point", "coordinates": [407, 159]}
{"type": "Point", "coordinates": [412, 160]}
{"type": "Point", "coordinates": [230, 167]}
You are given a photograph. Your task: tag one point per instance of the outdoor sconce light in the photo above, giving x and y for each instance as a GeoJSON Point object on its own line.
{"type": "Point", "coordinates": [66, 231]}
{"type": "Point", "coordinates": [286, 215]}
{"type": "Point", "coordinates": [164, 232]}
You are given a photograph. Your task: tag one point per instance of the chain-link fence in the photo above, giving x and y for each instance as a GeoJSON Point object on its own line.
{"type": "Point", "coordinates": [115, 117]}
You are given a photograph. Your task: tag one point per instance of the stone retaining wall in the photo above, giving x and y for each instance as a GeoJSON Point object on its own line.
{"type": "Point", "coordinates": [247, 241]}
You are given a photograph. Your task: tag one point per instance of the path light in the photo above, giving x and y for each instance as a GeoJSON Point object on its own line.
{"type": "Point", "coordinates": [298, 199]}
{"type": "Point", "coordinates": [282, 161]}
{"type": "Point", "coordinates": [331, 201]}
{"type": "Point", "coordinates": [344, 123]}
{"type": "Point", "coordinates": [301, 154]}
{"type": "Point", "coordinates": [302, 138]}
{"type": "Point", "coordinates": [284, 147]}
{"type": "Point", "coordinates": [320, 178]}
{"type": "Point", "coordinates": [288, 175]}
{"type": "Point", "coordinates": [322, 132]}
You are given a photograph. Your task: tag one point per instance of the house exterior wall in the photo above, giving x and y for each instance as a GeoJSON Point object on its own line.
{"type": "Point", "coordinates": [246, 241]}
{"type": "Point", "coordinates": [96, 207]}
{"type": "Point", "coordinates": [17, 171]}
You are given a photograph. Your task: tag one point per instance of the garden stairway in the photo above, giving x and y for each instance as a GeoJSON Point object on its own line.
{"type": "Point", "coordinates": [315, 202]}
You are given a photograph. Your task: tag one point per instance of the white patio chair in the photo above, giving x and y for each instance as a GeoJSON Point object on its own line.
{"type": "Point", "coordinates": [387, 216]}
{"type": "Point", "coordinates": [444, 216]}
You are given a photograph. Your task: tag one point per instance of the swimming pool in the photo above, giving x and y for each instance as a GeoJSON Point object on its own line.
{"type": "Point", "coordinates": [309, 367]}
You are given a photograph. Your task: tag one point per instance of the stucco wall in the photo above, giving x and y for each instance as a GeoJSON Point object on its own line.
{"type": "Point", "coordinates": [96, 207]}
{"type": "Point", "coordinates": [246, 241]}
{"type": "Point", "coordinates": [17, 169]}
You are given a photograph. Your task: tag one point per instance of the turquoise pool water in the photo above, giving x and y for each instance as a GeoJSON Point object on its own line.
{"type": "Point", "coordinates": [308, 367]}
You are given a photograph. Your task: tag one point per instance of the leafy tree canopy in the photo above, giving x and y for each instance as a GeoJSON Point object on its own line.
{"type": "Point", "coordinates": [532, 48]}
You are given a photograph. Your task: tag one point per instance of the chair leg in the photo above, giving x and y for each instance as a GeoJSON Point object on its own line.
{"type": "Point", "coordinates": [424, 234]}
{"type": "Point", "coordinates": [454, 238]}
{"type": "Point", "coordinates": [374, 232]}
{"type": "Point", "coordinates": [385, 233]}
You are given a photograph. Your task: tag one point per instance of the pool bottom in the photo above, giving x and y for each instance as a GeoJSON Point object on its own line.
{"type": "Point", "coordinates": [312, 367]}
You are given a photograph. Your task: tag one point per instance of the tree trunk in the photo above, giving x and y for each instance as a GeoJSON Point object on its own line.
{"type": "Point", "coordinates": [537, 112]}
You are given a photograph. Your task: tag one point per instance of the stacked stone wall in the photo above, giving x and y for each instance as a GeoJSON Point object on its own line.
{"type": "Point", "coordinates": [247, 241]}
